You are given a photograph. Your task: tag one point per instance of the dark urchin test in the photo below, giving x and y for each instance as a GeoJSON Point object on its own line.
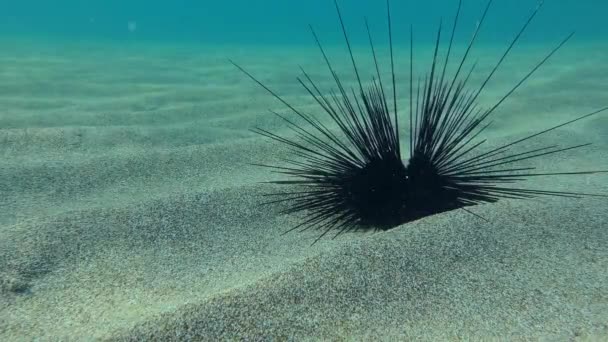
{"type": "Point", "coordinates": [355, 179]}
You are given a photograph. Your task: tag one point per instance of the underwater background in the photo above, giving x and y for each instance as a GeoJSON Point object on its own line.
{"type": "Point", "coordinates": [129, 208]}
{"type": "Point", "coordinates": [280, 22]}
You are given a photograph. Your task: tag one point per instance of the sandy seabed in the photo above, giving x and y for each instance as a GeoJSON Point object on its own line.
{"type": "Point", "coordinates": [129, 210]}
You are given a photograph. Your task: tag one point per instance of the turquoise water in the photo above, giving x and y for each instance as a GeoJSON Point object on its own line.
{"type": "Point", "coordinates": [282, 22]}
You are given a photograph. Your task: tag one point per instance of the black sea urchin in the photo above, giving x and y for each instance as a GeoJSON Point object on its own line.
{"type": "Point", "coordinates": [355, 179]}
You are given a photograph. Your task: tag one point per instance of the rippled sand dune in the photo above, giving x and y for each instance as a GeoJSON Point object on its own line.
{"type": "Point", "coordinates": [130, 210]}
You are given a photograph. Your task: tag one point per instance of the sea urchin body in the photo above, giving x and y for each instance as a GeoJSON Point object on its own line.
{"type": "Point", "coordinates": [354, 178]}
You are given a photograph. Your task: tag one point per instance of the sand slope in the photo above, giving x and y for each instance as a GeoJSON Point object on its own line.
{"type": "Point", "coordinates": [129, 210]}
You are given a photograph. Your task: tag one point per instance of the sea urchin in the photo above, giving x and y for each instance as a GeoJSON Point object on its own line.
{"type": "Point", "coordinates": [355, 179]}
